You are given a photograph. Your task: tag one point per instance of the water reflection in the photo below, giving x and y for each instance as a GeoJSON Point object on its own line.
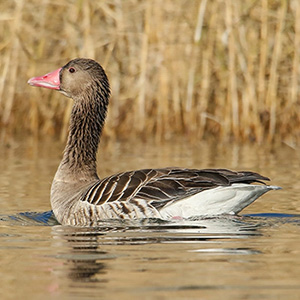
{"type": "Point", "coordinates": [85, 251]}
{"type": "Point", "coordinates": [82, 256]}
{"type": "Point", "coordinates": [30, 219]}
{"type": "Point", "coordinates": [157, 231]}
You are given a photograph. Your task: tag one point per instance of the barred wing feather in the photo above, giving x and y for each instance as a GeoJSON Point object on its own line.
{"type": "Point", "coordinates": [160, 186]}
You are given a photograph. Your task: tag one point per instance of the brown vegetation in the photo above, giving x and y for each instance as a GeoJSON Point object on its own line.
{"type": "Point", "coordinates": [222, 69]}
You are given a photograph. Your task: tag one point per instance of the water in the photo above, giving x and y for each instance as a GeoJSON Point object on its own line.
{"type": "Point", "coordinates": [253, 256]}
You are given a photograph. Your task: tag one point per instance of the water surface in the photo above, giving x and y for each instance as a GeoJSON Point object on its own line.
{"type": "Point", "coordinates": [253, 256]}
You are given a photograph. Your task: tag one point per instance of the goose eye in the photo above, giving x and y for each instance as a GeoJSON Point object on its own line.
{"type": "Point", "coordinates": [72, 70]}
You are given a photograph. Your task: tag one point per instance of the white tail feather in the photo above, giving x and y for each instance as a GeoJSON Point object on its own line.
{"type": "Point", "coordinates": [217, 201]}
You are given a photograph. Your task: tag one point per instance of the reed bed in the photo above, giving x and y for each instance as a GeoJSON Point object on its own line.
{"type": "Point", "coordinates": [222, 69]}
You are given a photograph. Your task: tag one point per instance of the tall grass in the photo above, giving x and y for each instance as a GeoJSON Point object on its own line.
{"type": "Point", "coordinates": [222, 69]}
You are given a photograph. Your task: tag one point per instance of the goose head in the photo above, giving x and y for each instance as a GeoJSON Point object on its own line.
{"type": "Point", "coordinates": [77, 79]}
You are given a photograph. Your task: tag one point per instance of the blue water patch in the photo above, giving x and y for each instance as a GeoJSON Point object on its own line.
{"type": "Point", "coordinates": [43, 217]}
{"type": "Point", "coordinates": [272, 215]}
{"type": "Point", "coordinates": [46, 218]}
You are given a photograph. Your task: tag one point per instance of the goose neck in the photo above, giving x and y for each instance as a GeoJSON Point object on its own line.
{"type": "Point", "coordinates": [86, 123]}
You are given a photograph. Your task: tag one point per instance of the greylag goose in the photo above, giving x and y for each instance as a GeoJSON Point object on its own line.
{"type": "Point", "coordinates": [80, 198]}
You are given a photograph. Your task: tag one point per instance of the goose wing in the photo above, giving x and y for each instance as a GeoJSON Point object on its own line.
{"type": "Point", "coordinates": [159, 186]}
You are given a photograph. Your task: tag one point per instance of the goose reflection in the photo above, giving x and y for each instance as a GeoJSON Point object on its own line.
{"type": "Point", "coordinates": [81, 252]}
{"type": "Point", "coordinates": [84, 250]}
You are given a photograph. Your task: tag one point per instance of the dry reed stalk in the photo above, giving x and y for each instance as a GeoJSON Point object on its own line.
{"type": "Point", "coordinates": [271, 97]}
{"type": "Point", "coordinates": [162, 74]}
{"type": "Point", "coordinates": [189, 113]}
{"type": "Point", "coordinates": [115, 80]}
{"type": "Point", "coordinates": [245, 66]}
{"type": "Point", "coordinates": [162, 109]}
{"type": "Point", "coordinates": [88, 49]}
{"type": "Point", "coordinates": [140, 111]}
{"type": "Point", "coordinates": [247, 57]}
{"type": "Point", "coordinates": [176, 104]}
{"type": "Point", "coordinates": [40, 109]}
{"type": "Point", "coordinates": [263, 52]}
{"type": "Point", "coordinates": [295, 67]}
{"type": "Point", "coordinates": [206, 80]}
{"type": "Point", "coordinates": [4, 75]}
{"type": "Point", "coordinates": [217, 111]}
{"type": "Point", "coordinates": [13, 62]}
{"type": "Point", "coordinates": [232, 97]}
{"type": "Point", "coordinates": [193, 60]}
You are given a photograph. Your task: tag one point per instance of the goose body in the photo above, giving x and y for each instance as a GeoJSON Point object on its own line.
{"type": "Point", "coordinates": [80, 198]}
